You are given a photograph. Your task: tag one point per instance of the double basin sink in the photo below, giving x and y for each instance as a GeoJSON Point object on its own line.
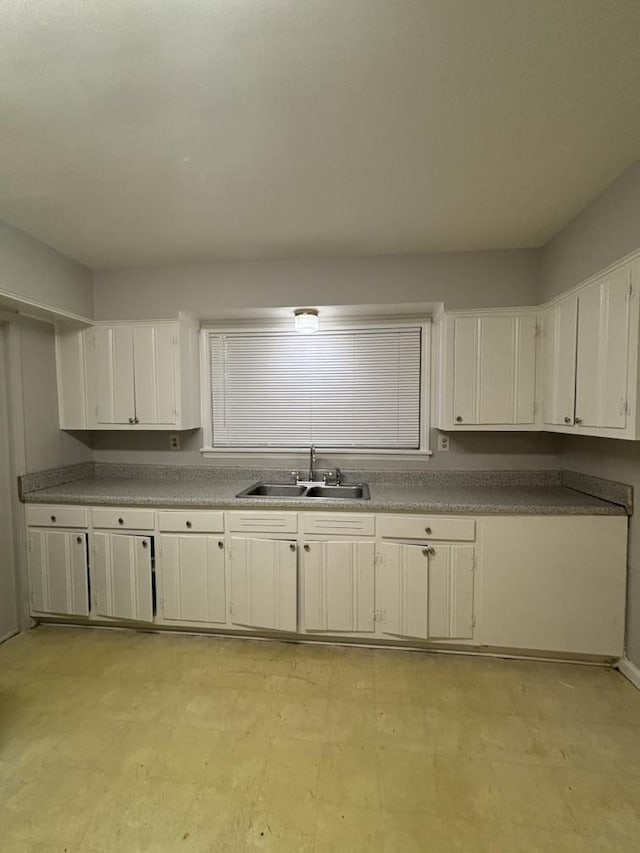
{"type": "Point", "coordinates": [304, 491]}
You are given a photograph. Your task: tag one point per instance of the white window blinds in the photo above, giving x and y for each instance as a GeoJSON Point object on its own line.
{"type": "Point", "coordinates": [357, 388]}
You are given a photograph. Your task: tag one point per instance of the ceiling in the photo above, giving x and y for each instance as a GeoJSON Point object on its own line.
{"type": "Point", "coordinates": [137, 132]}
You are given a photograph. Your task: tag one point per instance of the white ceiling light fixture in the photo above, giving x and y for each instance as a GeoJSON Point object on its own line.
{"type": "Point", "coordinates": [306, 321]}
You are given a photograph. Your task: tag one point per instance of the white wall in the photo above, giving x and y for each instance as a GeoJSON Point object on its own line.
{"type": "Point", "coordinates": [606, 230]}
{"type": "Point", "coordinates": [460, 279]}
{"type": "Point", "coordinates": [46, 446]}
{"type": "Point", "coordinates": [31, 270]}
{"type": "Point", "coordinates": [8, 585]}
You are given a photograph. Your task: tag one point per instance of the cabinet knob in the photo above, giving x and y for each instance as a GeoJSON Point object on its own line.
{"type": "Point", "coordinates": [136, 421]}
{"type": "Point", "coordinates": [220, 544]}
{"type": "Point", "coordinates": [427, 530]}
{"type": "Point", "coordinates": [145, 544]}
{"type": "Point", "coordinates": [121, 521]}
{"type": "Point", "coordinates": [458, 419]}
{"type": "Point", "coordinates": [79, 540]}
{"type": "Point", "coordinates": [130, 420]}
{"type": "Point", "coordinates": [292, 547]}
{"type": "Point", "coordinates": [307, 547]}
{"type": "Point", "coordinates": [578, 420]}
{"type": "Point", "coordinates": [188, 524]}
{"type": "Point", "coordinates": [567, 420]}
{"type": "Point", "coordinates": [54, 518]}
{"type": "Point", "coordinates": [428, 551]}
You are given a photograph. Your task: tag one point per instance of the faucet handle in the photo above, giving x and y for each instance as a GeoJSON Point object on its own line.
{"type": "Point", "coordinates": [296, 476]}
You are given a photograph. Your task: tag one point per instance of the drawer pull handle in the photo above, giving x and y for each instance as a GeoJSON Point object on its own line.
{"type": "Point", "coordinates": [145, 544]}
{"type": "Point", "coordinates": [53, 518]}
{"type": "Point", "coordinates": [220, 544]}
{"type": "Point", "coordinates": [307, 547]}
{"type": "Point", "coordinates": [121, 521]}
{"type": "Point", "coordinates": [427, 530]}
{"type": "Point", "coordinates": [428, 551]}
{"type": "Point", "coordinates": [188, 524]}
{"type": "Point", "coordinates": [130, 420]}
{"type": "Point", "coordinates": [567, 419]}
{"type": "Point", "coordinates": [578, 420]}
{"type": "Point", "coordinates": [292, 547]}
{"type": "Point", "coordinates": [458, 419]}
{"type": "Point", "coordinates": [79, 540]}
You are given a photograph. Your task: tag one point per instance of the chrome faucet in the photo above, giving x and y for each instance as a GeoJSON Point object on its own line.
{"type": "Point", "coordinates": [312, 462]}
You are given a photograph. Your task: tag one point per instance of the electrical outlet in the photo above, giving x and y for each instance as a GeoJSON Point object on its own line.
{"type": "Point", "coordinates": [443, 442]}
{"type": "Point", "coordinates": [174, 440]}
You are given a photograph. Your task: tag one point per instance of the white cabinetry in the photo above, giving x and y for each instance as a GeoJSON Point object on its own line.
{"type": "Point", "coordinates": [590, 351]}
{"type": "Point", "coordinates": [553, 584]}
{"type": "Point", "coordinates": [58, 572]}
{"type": "Point", "coordinates": [121, 574]}
{"type": "Point", "coordinates": [192, 577]}
{"type": "Point", "coordinates": [339, 586]}
{"type": "Point", "coordinates": [425, 591]}
{"type": "Point", "coordinates": [129, 376]}
{"type": "Point", "coordinates": [264, 583]}
{"type": "Point", "coordinates": [486, 368]}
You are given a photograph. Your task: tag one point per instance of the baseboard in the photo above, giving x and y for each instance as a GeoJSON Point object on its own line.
{"type": "Point", "coordinates": [630, 671]}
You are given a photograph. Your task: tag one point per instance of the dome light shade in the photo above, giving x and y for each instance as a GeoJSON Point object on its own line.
{"type": "Point", "coordinates": [306, 320]}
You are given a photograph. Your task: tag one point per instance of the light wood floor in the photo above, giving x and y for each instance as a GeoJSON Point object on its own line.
{"type": "Point", "coordinates": [129, 742]}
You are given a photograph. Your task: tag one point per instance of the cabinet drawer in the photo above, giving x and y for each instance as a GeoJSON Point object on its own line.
{"type": "Point", "coordinates": [426, 527]}
{"type": "Point", "coordinates": [339, 522]}
{"type": "Point", "coordinates": [56, 516]}
{"type": "Point", "coordinates": [129, 519]}
{"type": "Point", "coordinates": [198, 521]}
{"type": "Point", "coordinates": [264, 522]}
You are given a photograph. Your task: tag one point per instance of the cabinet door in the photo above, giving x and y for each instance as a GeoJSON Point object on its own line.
{"type": "Point", "coordinates": [339, 582]}
{"type": "Point", "coordinates": [603, 352]}
{"type": "Point", "coordinates": [426, 591]}
{"type": "Point", "coordinates": [264, 583]}
{"type": "Point", "coordinates": [58, 572]}
{"type": "Point", "coordinates": [155, 360]}
{"type": "Point", "coordinates": [494, 370]}
{"type": "Point", "coordinates": [402, 589]}
{"type": "Point", "coordinates": [192, 570]}
{"type": "Point", "coordinates": [112, 374]}
{"type": "Point", "coordinates": [451, 591]}
{"type": "Point", "coordinates": [122, 575]}
{"type": "Point", "coordinates": [560, 324]}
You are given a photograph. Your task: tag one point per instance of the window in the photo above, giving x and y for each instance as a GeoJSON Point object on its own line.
{"type": "Point", "coordinates": [346, 389]}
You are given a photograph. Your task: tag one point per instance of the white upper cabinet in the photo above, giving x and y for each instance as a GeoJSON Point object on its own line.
{"type": "Point", "coordinates": [560, 326]}
{"type": "Point", "coordinates": [590, 351]}
{"type": "Point", "coordinates": [129, 376]}
{"type": "Point", "coordinates": [487, 371]}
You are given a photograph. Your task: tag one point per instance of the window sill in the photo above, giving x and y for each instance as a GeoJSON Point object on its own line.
{"type": "Point", "coordinates": [274, 452]}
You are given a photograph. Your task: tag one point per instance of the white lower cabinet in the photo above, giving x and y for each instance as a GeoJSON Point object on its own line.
{"type": "Point", "coordinates": [122, 576]}
{"type": "Point", "coordinates": [425, 591]}
{"type": "Point", "coordinates": [264, 583]}
{"type": "Point", "coordinates": [58, 577]}
{"type": "Point", "coordinates": [192, 579]}
{"type": "Point", "coordinates": [339, 586]}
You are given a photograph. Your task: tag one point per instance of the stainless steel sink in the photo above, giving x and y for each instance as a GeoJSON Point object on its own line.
{"type": "Point", "coordinates": [273, 490]}
{"type": "Point", "coordinates": [359, 491]}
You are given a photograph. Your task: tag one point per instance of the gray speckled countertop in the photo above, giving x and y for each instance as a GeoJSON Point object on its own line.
{"type": "Point", "coordinates": [435, 497]}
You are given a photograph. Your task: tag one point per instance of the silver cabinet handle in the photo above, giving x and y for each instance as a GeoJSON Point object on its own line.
{"type": "Point", "coordinates": [145, 544]}
{"type": "Point", "coordinates": [188, 523]}
{"type": "Point", "coordinates": [136, 421]}
{"type": "Point", "coordinates": [428, 551]}
{"type": "Point", "coordinates": [79, 540]}
{"type": "Point", "coordinates": [578, 420]}
{"type": "Point", "coordinates": [307, 547]}
{"type": "Point", "coordinates": [121, 521]}
{"type": "Point", "coordinates": [130, 420]}
{"type": "Point", "coordinates": [427, 530]}
{"type": "Point", "coordinates": [292, 547]}
{"type": "Point", "coordinates": [53, 518]}
{"type": "Point", "coordinates": [567, 420]}
{"type": "Point", "coordinates": [458, 419]}
{"type": "Point", "coordinates": [220, 544]}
